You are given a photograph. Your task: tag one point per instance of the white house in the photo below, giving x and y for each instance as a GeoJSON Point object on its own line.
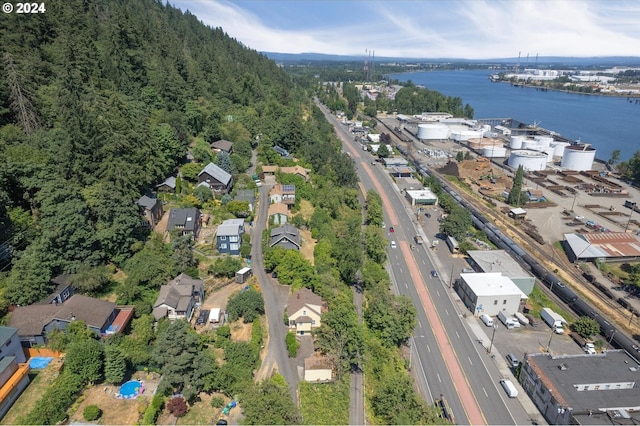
{"type": "Point", "coordinates": [304, 311]}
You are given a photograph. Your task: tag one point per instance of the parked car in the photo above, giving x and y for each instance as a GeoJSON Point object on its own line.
{"type": "Point", "coordinates": [513, 360]}
{"type": "Point", "coordinates": [428, 215]}
{"type": "Point", "coordinates": [202, 317]}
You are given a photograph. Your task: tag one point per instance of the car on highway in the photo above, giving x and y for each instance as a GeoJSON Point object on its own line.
{"type": "Point", "coordinates": [391, 229]}
{"type": "Point", "coordinates": [393, 244]}
{"type": "Point", "coordinates": [434, 273]}
{"type": "Point", "coordinates": [428, 215]}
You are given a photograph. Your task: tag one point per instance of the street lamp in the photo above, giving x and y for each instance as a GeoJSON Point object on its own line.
{"type": "Point", "coordinates": [574, 201]}
{"type": "Point", "coordinates": [495, 327]}
{"type": "Point", "coordinates": [612, 331]}
{"type": "Point", "coordinates": [550, 337]}
{"type": "Point", "coordinates": [628, 221]}
{"type": "Point", "coordinates": [451, 275]}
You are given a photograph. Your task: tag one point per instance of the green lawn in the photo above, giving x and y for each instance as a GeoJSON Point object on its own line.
{"type": "Point", "coordinates": [538, 300]}
{"type": "Point", "coordinates": [29, 397]}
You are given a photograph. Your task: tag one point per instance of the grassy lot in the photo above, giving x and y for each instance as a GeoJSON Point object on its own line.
{"type": "Point", "coordinates": [325, 403]}
{"type": "Point", "coordinates": [200, 413]}
{"type": "Point", "coordinates": [538, 300]}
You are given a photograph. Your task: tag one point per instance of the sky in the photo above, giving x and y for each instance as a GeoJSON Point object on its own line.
{"type": "Point", "coordinates": [468, 29]}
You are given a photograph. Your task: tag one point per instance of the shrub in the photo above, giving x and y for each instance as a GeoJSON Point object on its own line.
{"type": "Point", "coordinates": [91, 413]}
{"type": "Point", "coordinates": [292, 344]}
{"type": "Point", "coordinates": [217, 402]}
{"type": "Point", "coordinates": [177, 406]}
{"type": "Point", "coordinates": [153, 410]}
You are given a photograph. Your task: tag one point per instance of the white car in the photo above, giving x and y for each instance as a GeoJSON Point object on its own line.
{"type": "Point", "coordinates": [393, 244]}
{"type": "Point", "coordinates": [590, 348]}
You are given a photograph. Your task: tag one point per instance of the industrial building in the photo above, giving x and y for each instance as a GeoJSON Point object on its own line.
{"type": "Point", "coordinates": [583, 389]}
{"type": "Point", "coordinates": [605, 246]}
{"type": "Point", "coordinates": [500, 261]}
{"type": "Point", "coordinates": [489, 293]}
{"type": "Point", "coordinates": [421, 197]}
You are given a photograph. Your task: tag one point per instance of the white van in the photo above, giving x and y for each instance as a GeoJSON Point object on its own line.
{"type": "Point", "coordinates": [509, 388]}
{"type": "Point", "coordinates": [487, 320]}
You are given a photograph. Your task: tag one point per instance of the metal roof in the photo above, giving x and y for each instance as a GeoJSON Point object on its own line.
{"type": "Point", "coordinates": [603, 245]}
{"type": "Point", "coordinates": [217, 173]}
{"type": "Point", "coordinates": [491, 283]}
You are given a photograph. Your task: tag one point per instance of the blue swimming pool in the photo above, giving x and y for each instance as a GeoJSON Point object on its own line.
{"type": "Point", "coordinates": [39, 362]}
{"type": "Point", "coordinates": [130, 389]}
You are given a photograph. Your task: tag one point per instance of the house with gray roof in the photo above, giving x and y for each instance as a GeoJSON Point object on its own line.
{"type": "Point", "coordinates": [34, 322]}
{"type": "Point", "coordinates": [178, 298]}
{"type": "Point", "coordinates": [63, 290]}
{"type": "Point", "coordinates": [286, 236]}
{"type": "Point", "coordinates": [219, 180]}
{"type": "Point", "coordinates": [14, 371]}
{"type": "Point", "coordinates": [187, 221]}
{"type": "Point", "coordinates": [247, 195]}
{"type": "Point", "coordinates": [151, 209]}
{"type": "Point", "coordinates": [169, 185]}
{"type": "Point", "coordinates": [229, 236]}
{"type": "Point", "coordinates": [222, 146]}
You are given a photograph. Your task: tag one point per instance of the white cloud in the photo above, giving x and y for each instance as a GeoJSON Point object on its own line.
{"type": "Point", "coordinates": [431, 29]}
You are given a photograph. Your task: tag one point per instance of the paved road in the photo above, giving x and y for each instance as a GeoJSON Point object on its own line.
{"type": "Point", "coordinates": [275, 299]}
{"type": "Point", "coordinates": [448, 360]}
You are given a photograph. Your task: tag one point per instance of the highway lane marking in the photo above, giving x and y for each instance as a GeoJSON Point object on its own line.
{"type": "Point", "coordinates": [485, 392]}
{"type": "Point", "coordinates": [470, 360]}
{"type": "Point", "coordinates": [406, 286]}
{"type": "Point", "coordinates": [419, 324]}
{"type": "Point", "coordinates": [447, 312]}
{"type": "Point", "coordinates": [457, 334]}
{"type": "Point", "coordinates": [438, 293]}
{"type": "Point", "coordinates": [428, 349]}
{"type": "Point", "coordinates": [439, 379]}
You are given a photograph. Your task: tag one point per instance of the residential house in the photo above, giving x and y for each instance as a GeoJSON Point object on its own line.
{"type": "Point", "coordinates": [247, 195]}
{"type": "Point", "coordinates": [286, 236]}
{"type": "Point", "coordinates": [14, 370]}
{"type": "Point", "coordinates": [178, 298]}
{"type": "Point", "coordinates": [169, 185]}
{"type": "Point", "coordinates": [285, 194]}
{"type": "Point", "coordinates": [318, 369]}
{"type": "Point", "coordinates": [222, 146]}
{"type": "Point", "coordinates": [295, 170]}
{"type": "Point", "coordinates": [219, 180]}
{"type": "Point", "coordinates": [283, 152]}
{"type": "Point", "coordinates": [64, 290]}
{"type": "Point", "coordinates": [151, 209]}
{"type": "Point", "coordinates": [278, 214]}
{"type": "Point", "coordinates": [187, 221]}
{"type": "Point", "coordinates": [304, 310]}
{"type": "Point", "coordinates": [34, 322]}
{"type": "Point", "coordinates": [229, 236]}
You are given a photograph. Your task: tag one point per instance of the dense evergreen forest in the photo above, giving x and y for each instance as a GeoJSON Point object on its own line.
{"type": "Point", "coordinates": [99, 102]}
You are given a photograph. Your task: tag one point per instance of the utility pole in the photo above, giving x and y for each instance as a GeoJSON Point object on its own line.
{"type": "Point", "coordinates": [495, 327]}
{"type": "Point", "coordinates": [550, 337]}
{"type": "Point", "coordinates": [451, 275]}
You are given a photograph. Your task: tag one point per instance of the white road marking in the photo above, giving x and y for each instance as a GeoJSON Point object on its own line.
{"type": "Point", "coordinates": [439, 379]}
{"type": "Point", "coordinates": [470, 361]}
{"type": "Point", "coordinates": [438, 293]}
{"type": "Point", "coordinates": [457, 334]}
{"type": "Point", "coordinates": [446, 312]}
{"type": "Point", "coordinates": [485, 392]}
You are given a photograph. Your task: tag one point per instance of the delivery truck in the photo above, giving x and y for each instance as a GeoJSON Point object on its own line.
{"type": "Point", "coordinates": [508, 321]}
{"type": "Point", "coordinates": [553, 320]}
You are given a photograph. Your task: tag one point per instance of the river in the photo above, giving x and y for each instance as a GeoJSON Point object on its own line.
{"type": "Point", "coordinates": [603, 121]}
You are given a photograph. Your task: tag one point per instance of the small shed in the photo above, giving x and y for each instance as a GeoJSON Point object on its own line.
{"type": "Point", "coordinates": [243, 275]}
{"type": "Point", "coordinates": [214, 315]}
{"type": "Point", "coordinates": [318, 369]}
{"type": "Point", "coordinates": [517, 213]}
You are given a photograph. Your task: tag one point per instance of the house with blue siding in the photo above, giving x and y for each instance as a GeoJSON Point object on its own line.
{"type": "Point", "coordinates": [229, 236]}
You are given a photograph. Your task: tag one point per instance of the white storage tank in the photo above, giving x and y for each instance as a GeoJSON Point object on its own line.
{"type": "Point", "coordinates": [529, 160]}
{"type": "Point", "coordinates": [544, 140]}
{"type": "Point", "coordinates": [558, 148]}
{"type": "Point", "coordinates": [433, 131]}
{"type": "Point", "coordinates": [578, 157]}
{"type": "Point", "coordinates": [516, 141]}
{"type": "Point", "coordinates": [465, 135]}
{"type": "Point", "coordinates": [549, 151]}
{"type": "Point", "coordinates": [494, 151]}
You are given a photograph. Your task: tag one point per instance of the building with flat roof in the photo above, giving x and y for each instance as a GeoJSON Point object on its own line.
{"type": "Point", "coordinates": [501, 261]}
{"type": "Point", "coordinates": [489, 293]}
{"type": "Point", "coordinates": [421, 197]}
{"type": "Point", "coordinates": [583, 389]}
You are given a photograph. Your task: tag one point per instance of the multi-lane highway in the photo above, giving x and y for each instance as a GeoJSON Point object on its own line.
{"type": "Point", "coordinates": [446, 359]}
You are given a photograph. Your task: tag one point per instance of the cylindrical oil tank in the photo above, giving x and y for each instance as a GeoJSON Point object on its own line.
{"type": "Point", "coordinates": [534, 147]}
{"type": "Point", "coordinates": [435, 131]}
{"type": "Point", "coordinates": [558, 148]}
{"type": "Point", "coordinates": [544, 140]}
{"type": "Point", "coordinates": [516, 141]}
{"type": "Point", "coordinates": [494, 151]}
{"type": "Point", "coordinates": [549, 151]}
{"type": "Point", "coordinates": [528, 143]}
{"type": "Point", "coordinates": [578, 157]}
{"type": "Point", "coordinates": [529, 160]}
{"type": "Point", "coordinates": [465, 135]}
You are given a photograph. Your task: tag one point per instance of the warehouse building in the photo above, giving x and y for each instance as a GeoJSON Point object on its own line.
{"type": "Point", "coordinates": [583, 389]}
{"type": "Point", "coordinates": [501, 261]}
{"type": "Point", "coordinates": [421, 197]}
{"type": "Point", "coordinates": [489, 293]}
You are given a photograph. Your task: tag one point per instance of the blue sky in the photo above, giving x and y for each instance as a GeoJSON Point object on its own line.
{"type": "Point", "coordinates": [471, 29]}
